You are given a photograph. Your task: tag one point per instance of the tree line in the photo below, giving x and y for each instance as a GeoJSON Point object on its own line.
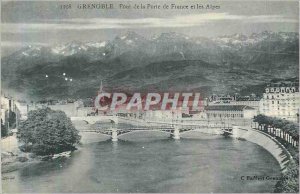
{"type": "Point", "coordinates": [286, 130]}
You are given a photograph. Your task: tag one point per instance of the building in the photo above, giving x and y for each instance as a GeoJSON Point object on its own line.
{"type": "Point", "coordinates": [10, 112]}
{"type": "Point", "coordinates": [281, 99]}
{"type": "Point", "coordinates": [220, 99]}
{"type": "Point", "coordinates": [68, 108]}
{"type": "Point", "coordinates": [23, 108]}
{"type": "Point", "coordinates": [230, 112]}
{"type": "Point", "coordinates": [162, 115]}
{"type": "Point", "coordinates": [201, 115]}
{"type": "Point", "coordinates": [251, 101]}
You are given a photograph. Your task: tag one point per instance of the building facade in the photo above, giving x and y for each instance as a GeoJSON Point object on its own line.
{"type": "Point", "coordinates": [162, 115]}
{"type": "Point", "coordinates": [230, 112]}
{"type": "Point", "coordinates": [281, 100]}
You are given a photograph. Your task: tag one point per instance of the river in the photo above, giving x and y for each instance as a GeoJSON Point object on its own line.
{"type": "Point", "coordinates": [151, 162]}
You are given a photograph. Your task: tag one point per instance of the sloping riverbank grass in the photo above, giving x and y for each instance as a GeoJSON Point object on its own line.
{"type": "Point", "coordinates": [290, 183]}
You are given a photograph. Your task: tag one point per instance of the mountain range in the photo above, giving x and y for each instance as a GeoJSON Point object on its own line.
{"type": "Point", "coordinates": [165, 62]}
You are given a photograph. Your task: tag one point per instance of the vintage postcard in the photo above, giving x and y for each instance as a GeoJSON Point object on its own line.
{"type": "Point", "coordinates": [150, 96]}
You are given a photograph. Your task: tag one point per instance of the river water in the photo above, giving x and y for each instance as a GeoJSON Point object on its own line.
{"type": "Point", "coordinates": [148, 162]}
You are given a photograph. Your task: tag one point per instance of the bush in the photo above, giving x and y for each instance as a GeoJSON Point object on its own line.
{"type": "Point", "coordinates": [290, 183]}
{"type": "Point", "coordinates": [48, 132]}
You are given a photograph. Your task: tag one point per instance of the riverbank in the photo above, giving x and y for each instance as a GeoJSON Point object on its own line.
{"type": "Point", "coordinates": [13, 159]}
{"type": "Point", "coordinates": [271, 144]}
{"type": "Point", "coordinates": [11, 162]}
{"type": "Point", "coordinates": [9, 144]}
{"type": "Point", "coordinates": [279, 152]}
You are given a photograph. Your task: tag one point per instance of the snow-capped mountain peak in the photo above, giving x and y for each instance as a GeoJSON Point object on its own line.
{"type": "Point", "coordinates": [96, 44]}
{"type": "Point", "coordinates": [240, 40]}
{"type": "Point", "coordinates": [70, 48]}
{"type": "Point", "coordinates": [161, 44]}
{"type": "Point", "coordinates": [170, 36]}
{"type": "Point", "coordinates": [130, 38]}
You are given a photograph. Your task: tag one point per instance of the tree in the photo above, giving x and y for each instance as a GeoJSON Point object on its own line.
{"type": "Point", "coordinates": [260, 119]}
{"type": "Point", "coordinates": [47, 132]}
{"type": "Point", "coordinates": [289, 131]}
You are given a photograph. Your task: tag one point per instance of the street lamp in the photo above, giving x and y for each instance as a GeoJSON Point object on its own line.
{"type": "Point", "coordinates": [64, 74]}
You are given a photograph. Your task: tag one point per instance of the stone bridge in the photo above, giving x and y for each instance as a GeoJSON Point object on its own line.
{"type": "Point", "coordinates": [175, 129]}
{"type": "Point", "coordinates": [136, 125]}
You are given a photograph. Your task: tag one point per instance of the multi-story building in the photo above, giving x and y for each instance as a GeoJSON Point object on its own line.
{"type": "Point", "coordinates": [281, 99]}
{"type": "Point", "coordinates": [251, 101]}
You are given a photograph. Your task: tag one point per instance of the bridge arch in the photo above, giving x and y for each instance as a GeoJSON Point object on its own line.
{"type": "Point", "coordinates": [86, 122]}
{"type": "Point", "coordinates": [184, 132]}
{"type": "Point", "coordinates": [94, 119]}
{"type": "Point", "coordinates": [143, 131]}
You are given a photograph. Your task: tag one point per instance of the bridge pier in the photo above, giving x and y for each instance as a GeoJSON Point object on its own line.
{"type": "Point", "coordinates": [116, 120]}
{"type": "Point", "coordinates": [176, 133]}
{"type": "Point", "coordinates": [114, 135]}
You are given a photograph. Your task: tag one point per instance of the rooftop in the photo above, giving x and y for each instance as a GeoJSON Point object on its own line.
{"type": "Point", "coordinates": [229, 107]}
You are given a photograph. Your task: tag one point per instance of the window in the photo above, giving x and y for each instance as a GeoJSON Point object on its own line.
{"type": "Point", "coordinates": [272, 102]}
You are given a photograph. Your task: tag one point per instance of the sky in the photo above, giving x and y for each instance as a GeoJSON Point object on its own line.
{"type": "Point", "coordinates": [44, 23]}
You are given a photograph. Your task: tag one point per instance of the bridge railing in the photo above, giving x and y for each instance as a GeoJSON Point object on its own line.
{"type": "Point", "coordinates": [142, 124]}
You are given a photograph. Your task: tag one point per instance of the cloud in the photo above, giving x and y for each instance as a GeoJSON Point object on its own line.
{"type": "Point", "coordinates": [21, 44]}
{"type": "Point", "coordinates": [152, 22]}
{"type": "Point", "coordinates": [270, 19]}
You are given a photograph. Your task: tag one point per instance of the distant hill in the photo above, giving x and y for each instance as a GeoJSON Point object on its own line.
{"type": "Point", "coordinates": [166, 62]}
